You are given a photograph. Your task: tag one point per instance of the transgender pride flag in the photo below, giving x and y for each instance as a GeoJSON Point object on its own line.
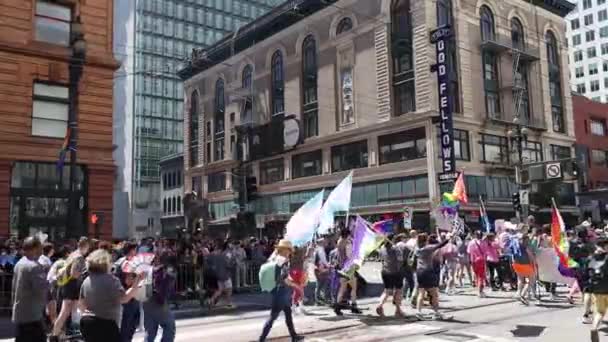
{"type": "Point", "coordinates": [302, 225]}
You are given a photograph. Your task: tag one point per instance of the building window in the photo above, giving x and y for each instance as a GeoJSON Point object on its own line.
{"type": "Point", "coordinates": [345, 25]}
{"type": "Point", "coordinates": [53, 23]}
{"type": "Point", "coordinates": [517, 34]}
{"type": "Point", "coordinates": [603, 32]}
{"type": "Point", "coordinates": [599, 158]}
{"type": "Point", "coordinates": [532, 151]}
{"type": "Point", "coordinates": [486, 23]}
{"type": "Point", "coordinates": [179, 204]}
{"type": "Point", "coordinates": [349, 156]}
{"type": "Point", "coordinates": [402, 146]}
{"type": "Point", "coordinates": [593, 69]}
{"type": "Point", "coordinates": [194, 130]}
{"type": "Point", "coordinates": [601, 2]}
{"type": "Point", "coordinates": [597, 127]}
{"type": "Point", "coordinates": [220, 107]}
{"type": "Point", "coordinates": [578, 56]}
{"type": "Point", "coordinates": [50, 110]}
{"type": "Point", "coordinates": [491, 88]}
{"type": "Point", "coordinates": [461, 145]}
{"type": "Point", "coordinates": [587, 4]}
{"type": "Point", "coordinates": [590, 36]}
{"type": "Point", "coordinates": [555, 85]}
{"type": "Point", "coordinates": [588, 19]}
{"type": "Point", "coordinates": [402, 50]}
{"type": "Point", "coordinates": [580, 88]}
{"type": "Point", "coordinates": [307, 164]}
{"type": "Point", "coordinates": [494, 149]}
{"type": "Point", "coordinates": [604, 48]}
{"type": "Point", "coordinates": [277, 84]}
{"type": "Point", "coordinates": [560, 152]}
{"type": "Point", "coordinates": [576, 40]}
{"type": "Point", "coordinates": [165, 209]}
{"type": "Point", "coordinates": [602, 15]}
{"type": "Point", "coordinates": [594, 85]}
{"type": "Point", "coordinates": [247, 83]}
{"type": "Point", "coordinates": [272, 171]}
{"type": "Point", "coordinates": [216, 182]}
{"type": "Point", "coordinates": [579, 72]}
{"type": "Point", "coordinates": [575, 24]}
{"type": "Point", "coordinates": [591, 52]}
{"type": "Point", "coordinates": [310, 104]}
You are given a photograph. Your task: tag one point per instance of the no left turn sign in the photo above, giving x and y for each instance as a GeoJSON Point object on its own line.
{"type": "Point", "coordinates": [554, 170]}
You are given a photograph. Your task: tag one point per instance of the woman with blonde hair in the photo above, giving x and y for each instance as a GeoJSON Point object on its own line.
{"type": "Point", "coordinates": [101, 296]}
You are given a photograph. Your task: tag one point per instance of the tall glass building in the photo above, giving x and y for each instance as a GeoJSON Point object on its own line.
{"type": "Point", "coordinates": [151, 38]}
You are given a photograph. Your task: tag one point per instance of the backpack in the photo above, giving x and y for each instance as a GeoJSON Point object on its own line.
{"type": "Point", "coordinates": [268, 275]}
{"type": "Point", "coordinates": [411, 260]}
{"type": "Point", "coordinates": [63, 273]}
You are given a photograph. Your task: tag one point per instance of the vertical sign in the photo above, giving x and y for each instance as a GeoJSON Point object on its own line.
{"type": "Point", "coordinates": [440, 37]}
{"type": "Point", "coordinates": [407, 218]}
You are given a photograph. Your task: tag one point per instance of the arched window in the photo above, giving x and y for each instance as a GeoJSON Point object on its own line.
{"type": "Point", "coordinates": [489, 65]}
{"type": "Point", "coordinates": [278, 84]}
{"type": "Point", "coordinates": [486, 23]}
{"type": "Point", "coordinates": [179, 204]}
{"type": "Point", "coordinates": [402, 51]}
{"type": "Point", "coordinates": [247, 83]}
{"type": "Point", "coordinates": [173, 204]}
{"type": "Point", "coordinates": [444, 12]}
{"type": "Point", "coordinates": [555, 83]}
{"type": "Point", "coordinates": [517, 34]}
{"type": "Point", "coordinates": [165, 206]}
{"type": "Point", "coordinates": [194, 130]}
{"type": "Point", "coordinates": [310, 105]}
{"type": "Point", "coordinates": [345, 25]}
{"type": "Point", "coordinates": [219, 120]}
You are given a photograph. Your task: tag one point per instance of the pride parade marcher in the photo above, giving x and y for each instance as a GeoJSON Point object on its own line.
{"type": "Point", "coordinates": [427, 273]}
{"type": "Point", "coordinates": [282, 291]}
{"type": "Point", "coordinates": [477, 250]}
{"type": "Point", "coordinates": [524, 267]}
{"type": "Point", "coordinates": [392, 276]}
{"type": "Point", "coordinates": [598, 285]}
{"type": "Point", "coordinates": [345, 253]}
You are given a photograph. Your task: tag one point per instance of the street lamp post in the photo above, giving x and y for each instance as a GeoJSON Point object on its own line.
{"type": "Point", "coordinates": [77, 60]}
{"type": "Point", "coordinates": [519, 134]}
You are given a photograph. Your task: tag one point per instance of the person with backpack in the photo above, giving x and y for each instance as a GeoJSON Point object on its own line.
{"type": "Point", "coordinates": [69, 278]}
{"type": "Point", "coordinates": [392, 276]}
{"type": "Point", "coordinates": [524, 266]}
{"type": "Point", "coordinates": [274, 277]}
{"type": "Point", "coordinates": [597, 272]}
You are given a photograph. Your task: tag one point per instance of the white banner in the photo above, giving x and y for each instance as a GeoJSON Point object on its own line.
{"type": "Point", "coordinates": [548, 271]}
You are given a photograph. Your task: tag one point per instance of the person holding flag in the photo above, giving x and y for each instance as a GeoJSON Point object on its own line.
{"type": "Point", "coordinates": [347, 275]}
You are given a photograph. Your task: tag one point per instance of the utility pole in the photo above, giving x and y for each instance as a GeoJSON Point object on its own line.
{"type": "Point", "coordinates": [77, 61]}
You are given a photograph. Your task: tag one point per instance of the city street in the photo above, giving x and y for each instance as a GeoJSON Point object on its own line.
{"type": "Point", "coordinates": [498, 318]}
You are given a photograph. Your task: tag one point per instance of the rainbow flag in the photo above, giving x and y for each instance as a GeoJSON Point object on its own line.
{"type": "Point", "coordinates": [559, 239]}
{"type": "Point", "coordinates": [383, 227]}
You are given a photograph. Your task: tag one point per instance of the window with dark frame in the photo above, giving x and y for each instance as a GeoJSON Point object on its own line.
{"type": "Point", "coordinates": [307, 164]}
{"type": "Point", "coordinates": [599, 158]}
{"type": "Point", "coordinates": [560, 152]}
{"type": "Point", "coordinates": [349, 156]}
{"type": "Point", "coordinates": [345, 25]}
{"type": "Point", "coordinates": [247, 83]}
{"type": "Point", "coordinates": [272, 171]}
{"type": "Point", "coordinates": [404, 90]}
{"type": "Point", "coordinates": [277, 85]}
{"type": "Point", "coordinates": [50, 110]}
{"type": "Point", "coordinates": [194, 129]}
{"type": "Point", "coordinates": [53, 23]}
{"type": "Point", "coordinates": [532, 151]}
{"type": "Point", "coordinates": [220, 106]}
{"type": "Point", "coordinates": [494, 149]}
{"type": "Point", "coordinates": [461, 145]}
{"type": "Point", "coordinates": [310, 104]}
{"type": "Point", "coordinates": [597, 127]}
{"type": "Point", "coordinates": [216, 182]}
{"type": "Point", "coordinates": [555, 85]}
{"type": "Point", "coordinates": [402, 146]}
{"type": "Point", "coordinates": [489, 64]}
{"type": "Point", "coordinates": [575, 24]}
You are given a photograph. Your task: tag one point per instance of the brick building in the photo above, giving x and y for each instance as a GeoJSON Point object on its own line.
{"type": "Point", "coordinates": [591, 126]}
{"type": "Point", "coordinates": [36, 45]}
{"type": "Point", "coordinates": [356, 76]}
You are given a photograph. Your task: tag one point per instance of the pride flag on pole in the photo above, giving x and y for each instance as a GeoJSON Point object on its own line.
{"type": "Point", "coordinates": [338, 200]}
{"type": "Point", "coordinates": [559, 239]}
{"type": "Point", "coordinates": [460, 190]}
{"type": "Point", "coordinates": [302, 225]}
{"type": "Point", "coordinates": [383, 227]}
{"type": "Point", "coordinates": [365, 241]}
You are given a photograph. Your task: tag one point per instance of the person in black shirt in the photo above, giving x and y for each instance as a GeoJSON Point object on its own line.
{"type": "Point", "coordinates": [597, 275]}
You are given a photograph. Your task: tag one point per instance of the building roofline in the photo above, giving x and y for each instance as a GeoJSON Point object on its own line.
{"type": "Point", "coordinates": [283, 16]}
{"type": "Point", "coordinates": [170, 158]}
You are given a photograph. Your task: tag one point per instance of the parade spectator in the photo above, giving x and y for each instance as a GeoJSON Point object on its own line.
{"type": "Point", "coordinates": [156, 309]}
{"type": "Point", "coordinates": [29, 294]}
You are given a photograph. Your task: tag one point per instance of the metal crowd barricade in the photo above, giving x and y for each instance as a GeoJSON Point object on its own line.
{"type": "Point", "coordinates": [6, 280]}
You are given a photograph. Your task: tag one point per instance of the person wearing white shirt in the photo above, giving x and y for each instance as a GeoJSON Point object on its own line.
{"type": "Point", "coordinates": [322, 268]}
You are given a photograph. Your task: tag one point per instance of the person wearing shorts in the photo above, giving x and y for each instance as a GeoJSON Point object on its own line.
{"type": "Point", "coordinates": [218, 263]}
{"type": "Point", "coordinates": [426, 272]}
{"type": "Point", "coordinates": [392, 276]}
{"type": "Point", "coordinates": [523, 265]}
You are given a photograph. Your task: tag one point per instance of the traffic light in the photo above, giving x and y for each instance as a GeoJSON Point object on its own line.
{"type": "Point", "coordinates": [516, 200]}
{"type": "Point", "coordinates": [97, 221]}
{"type": "Point", "coordinates": [251, 183]}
